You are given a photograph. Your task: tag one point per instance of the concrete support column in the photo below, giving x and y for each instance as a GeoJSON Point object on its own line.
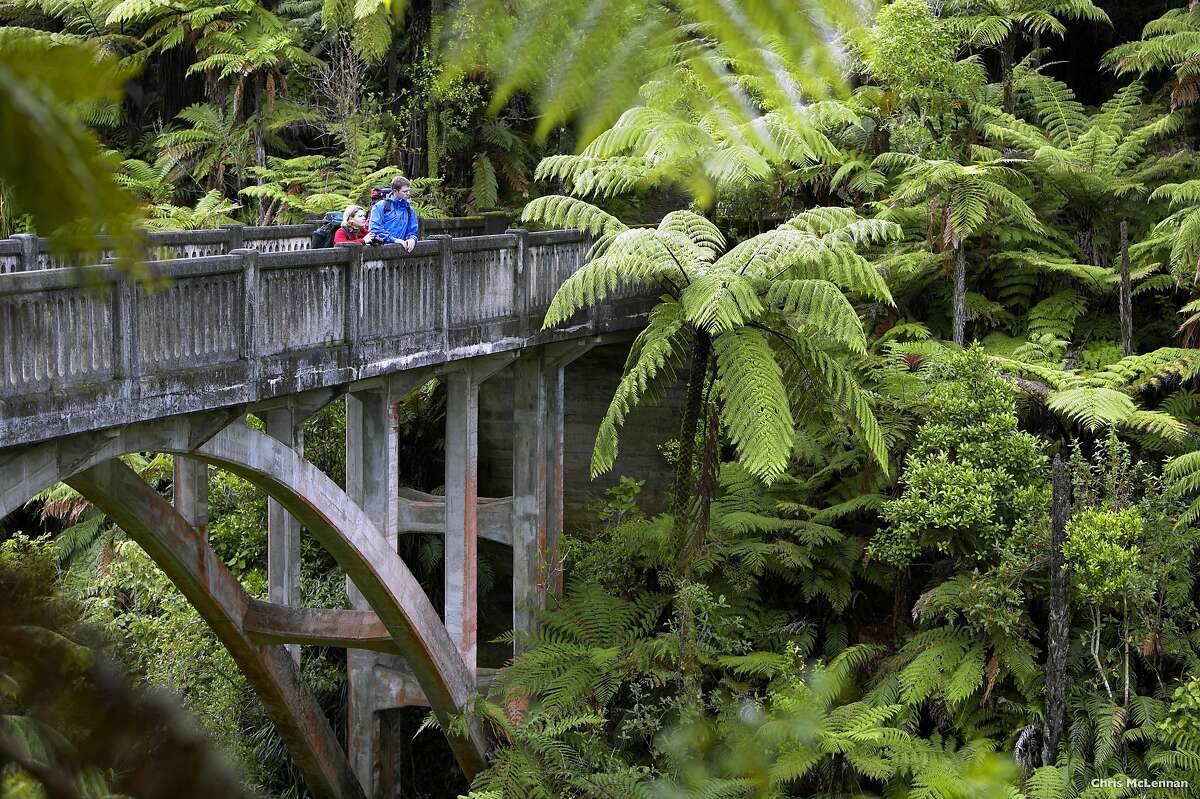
{"type": "Point", "coordinates": [189, 492]}
{"type": "Point", "coordinates": [531, 557]}
{"type": "Point", "coordinates": [371, 481]}
{"type": "Point", "coordinates": [555, 359]}
{"type": "Point", "coordinates": [555, 426]}
{"type": "Point", "coordinates": [283, 531]}
{"type": "Point", "coordinates": [462, 480]}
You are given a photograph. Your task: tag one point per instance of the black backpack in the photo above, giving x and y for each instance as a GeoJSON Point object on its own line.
{"type": "Point", "coordinates": [322, 237]}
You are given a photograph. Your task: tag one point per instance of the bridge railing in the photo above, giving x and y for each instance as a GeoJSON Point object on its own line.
{"type": "Point", "coordinates": [86, 348]}
{"type": "Point", "coordinates": [26, 253]}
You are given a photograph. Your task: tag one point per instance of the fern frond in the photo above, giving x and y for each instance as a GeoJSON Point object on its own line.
{"type": "Point", "coordinates": [755, 407]}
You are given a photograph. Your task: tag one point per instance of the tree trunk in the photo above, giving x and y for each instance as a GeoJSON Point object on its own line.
{"type": "Point", "coordinates": [1058, 633]}
{"type": "Point", "coordinates": [1126, 294]}
{"type": "Point", "coordinates": [960, 293]}
{"type": "Point", "coordinates": [1008, 57]}
{"type": "Point", "coordinates": [706, 484]}
{"type": "Point", "coordinates": [260, 135]}
{"type": "Point", "coordinates": [685, 468]}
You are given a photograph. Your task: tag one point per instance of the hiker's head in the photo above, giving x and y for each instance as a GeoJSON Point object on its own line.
{"type": "Point", "coordinates": [354, 217]}
{"type": "Point", "coordinates": [401, 188]}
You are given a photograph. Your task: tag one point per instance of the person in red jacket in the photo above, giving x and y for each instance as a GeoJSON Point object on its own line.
{"type": "Point", "coordinates": [353, 228]}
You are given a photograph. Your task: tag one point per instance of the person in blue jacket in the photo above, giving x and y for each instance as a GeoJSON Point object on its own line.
{"type": "Point", "coordinates": [393, 219]}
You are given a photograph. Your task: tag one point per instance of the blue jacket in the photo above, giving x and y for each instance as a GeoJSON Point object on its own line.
{"type": "Point", "coordinates": [393, 220]}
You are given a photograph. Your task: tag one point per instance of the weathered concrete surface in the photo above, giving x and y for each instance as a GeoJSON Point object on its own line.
{"type": "Point", "coordinates": [371, 477]}
{"type": "Point", "coordinates": [248, 326]}
{"type": "Point", "coordinates": [27, 253]}
{"type": "Point", "coordinates": [419, 512]}
{"type": "Point", "coordinates": [285, 425]}
{"type": "Point", "coordinates": [189, 493]}
{"type": "Point", "coordinates": [268, 623]}
{"type": "Point", "coordinates": [184, 555]}
{"type": "Point", "coordinates": [254, 322]}
{"type": "Point", "coordinates": [338, 524]}
{"type": "Point", "coordinates": [398, 687]}
{"type": "Point", "coordinates": [461, 542]}
{"type": "Point", "coordinates": [529, 486]}
{"type": "Point", "coordinates": [587, 387]}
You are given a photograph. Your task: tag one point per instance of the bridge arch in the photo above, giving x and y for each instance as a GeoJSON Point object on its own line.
{"type": "Point", "coordinates": [192, 565]}
{"type": "Point", "coordinates": [340, 525]}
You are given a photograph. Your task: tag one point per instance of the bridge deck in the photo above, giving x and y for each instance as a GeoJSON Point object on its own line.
{"type": "Point", "coordinates": [84, 349]}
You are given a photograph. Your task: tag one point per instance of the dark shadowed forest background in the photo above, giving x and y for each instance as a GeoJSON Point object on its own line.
{"type": "Point", "coordinates": [927, 311]}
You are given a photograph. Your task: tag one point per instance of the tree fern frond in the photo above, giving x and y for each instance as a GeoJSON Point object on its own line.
{"type": "Point", "coordinates": [755, 406]}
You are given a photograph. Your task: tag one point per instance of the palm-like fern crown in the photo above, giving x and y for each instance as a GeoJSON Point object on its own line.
{"type": "Point", "coordinates": [990, 22]}
{"type": "Point", "coordinates": [773, 305]}
{"type": "Point", "coordinates": [1109, 398]}
{"type": "Point", "coordinates": [679, 137]}
{"type": "Point", "coordinates": [250, 42]}
{"type": "Point", "coordinates": [80, 20]}
{"type": "Point", "coordinates": [314, 184]}
{"type": "Point", "coordinates": [1170, 42]}
{"type": "Point", "coordinates": [369, 23]}
{"type": "Point", "coordinates": [1094, 161]}
{"type": "Point", "coordinates": [961, 197]}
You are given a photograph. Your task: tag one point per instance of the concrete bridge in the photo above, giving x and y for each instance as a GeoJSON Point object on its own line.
{"type": "Point", "coordinates": [244, 321]}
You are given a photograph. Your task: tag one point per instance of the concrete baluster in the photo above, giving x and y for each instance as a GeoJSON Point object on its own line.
{"type": "Point", "coordinates": [126, 332]}
{"type": "Point", "coordinates": [235, 237]}
{"type": "Point", "coordinates": [523, 282]}
{"type": "Point", "coordinates": [354, 297]}
{"type": "Point", "coordinates": [445, 294]}
{"type": "Point", "coordinates": [249, 261]}
{"type": "Point", "coordinates": [29, 251]}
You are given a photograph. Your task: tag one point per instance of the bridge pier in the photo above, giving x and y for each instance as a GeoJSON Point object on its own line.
{"type": "Point", "coordinates": [372, 474]}
{"type": "Point", "coordinates": [531, 433]}
{"type": "Point", "coordinates": [538, 422]}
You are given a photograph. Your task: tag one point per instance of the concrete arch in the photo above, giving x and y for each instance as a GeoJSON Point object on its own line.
{"type": "Point", "coordinates": [190, 563]}
{"type": "Point", "coordinates": [338, 523]}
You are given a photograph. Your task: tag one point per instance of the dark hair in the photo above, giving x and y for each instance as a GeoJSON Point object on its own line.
{"type": "Point", "coordinates": [399, 182]}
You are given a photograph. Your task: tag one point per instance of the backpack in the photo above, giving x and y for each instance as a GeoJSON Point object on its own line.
{"type": "Point", "coordinates": [322, 237]}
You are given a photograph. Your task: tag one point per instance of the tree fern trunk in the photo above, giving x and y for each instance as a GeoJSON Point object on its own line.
{"type": "Point", "coordinates": [1058, 633]}
{"type": "Point", "coordinates": [706, 484]}
{"type": "Point", "coordinates": [1008, 57]}
{"type": "Point", "coordinates": [685, 469]}
{"type": "Point", "coordinates": [960, 293]}
{"type": "Point", "coordinates": [1126, 293]}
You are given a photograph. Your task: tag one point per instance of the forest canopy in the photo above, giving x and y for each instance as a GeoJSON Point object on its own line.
{"type": "Point", "coordinates": [925, 301]}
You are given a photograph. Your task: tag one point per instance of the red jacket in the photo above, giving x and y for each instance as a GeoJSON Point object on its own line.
{"type": "Point", "coordinates": [341, 236]}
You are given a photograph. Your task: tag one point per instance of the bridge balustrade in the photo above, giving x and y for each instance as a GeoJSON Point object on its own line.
{"type": "Point", "coordinates": [87, 348]}
{"type": "Point", "coordinates": [27, 253]}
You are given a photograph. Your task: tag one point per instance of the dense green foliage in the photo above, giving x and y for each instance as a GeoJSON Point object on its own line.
{"type": "Point", "coordinates": [823, 595]}
{"type": "Point", "coordinates": [894, 311]}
